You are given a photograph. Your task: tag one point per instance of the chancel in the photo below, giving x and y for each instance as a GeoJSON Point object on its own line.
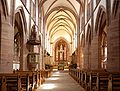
{"type": "Point", "coordinates": [59, 45]}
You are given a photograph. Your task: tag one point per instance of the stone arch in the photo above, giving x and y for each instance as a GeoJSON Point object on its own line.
{"type": "Point", "coordinates": [60, 39]}
{"type": "Point", "coordinates": [57, 8]}
{"type": "Point", "coordinates": [23, 18]}
{"type": "Point", "coordinates": [101, 31]}
{"type": "Point", "coordinates": [19, 37]}
{"type": "Point", "coordinates": [57, 47]}
{"type": "Point", "coordinates": [115, 8]}
{"type": "Point", "coordinates": [4, 7]}
{"type": "Point", "coordinates": [100, 17]}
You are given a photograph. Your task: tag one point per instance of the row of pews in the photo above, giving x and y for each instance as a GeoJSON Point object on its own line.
{"type": "Point", "coordinates": [97, 80]}
{"type": "Point", "coordinates": [23, 80]}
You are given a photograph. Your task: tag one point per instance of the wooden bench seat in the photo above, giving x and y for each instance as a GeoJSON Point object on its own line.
{"type": "Point", "coordinates": [25, 82]}
{"type": "Point", "coordinates": [114, 82]}
{"type": "Point", "coordinates": [9, 82]}
{"type": "Point", "coordinates": [12, 83]}
{"type": "Point", "coordinates": [102, 81]}
{"type": "Point", "coordinates": [47, 73]}
{"type": "Point", "coordinates": [91, 82]}
{"type": "Point", "coordinates": [78, 75]}
{"type": "Point", "coordinates": [91, 78]}
{"type": "Point", "coordinates": [42, 76]}
{"type": "Point", "coordinates": [82, 80]}
{"type": "Point", "coordinates": [75, 73]}
{"type": "Point", "coordinates": [22, 80]}
{"type": "Point", "coordinates": [29, 79]}
{"type": "Point", "coordinates": [19, 81]}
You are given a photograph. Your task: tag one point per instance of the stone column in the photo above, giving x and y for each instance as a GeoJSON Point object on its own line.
{"type": "Point", "coordinates": [7, 42]}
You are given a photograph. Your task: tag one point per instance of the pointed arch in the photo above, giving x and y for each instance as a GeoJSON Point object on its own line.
{"type": "Point", "coordinates": [101, 16]}
{"type": "Point", "coordinates": [61, 52]}
{"type": "Point", "coordinates": [115, 7]}
{"type": "Point", "coordinates": [62, 39]}
{"type": "Point", "coordinates": [58, 8]}
{"type": "Point", "coordinates": [5, 7]}
{"type": "Point", "coordinates": [20, 28]}
{"type": "Point", "coordinates": [101, 32]}
{"type": "Point", "coordinates": [20, 10]}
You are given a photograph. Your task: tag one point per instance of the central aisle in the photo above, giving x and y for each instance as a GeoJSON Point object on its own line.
{"type": "Point", "coordinates": [60, 81]}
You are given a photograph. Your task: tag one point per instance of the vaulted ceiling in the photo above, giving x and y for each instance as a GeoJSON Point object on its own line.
{"type": "Point", "coordinates": [61, 17]}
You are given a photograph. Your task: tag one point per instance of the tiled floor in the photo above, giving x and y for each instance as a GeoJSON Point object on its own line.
{"type": "Point", "coordinates": [60, 81]}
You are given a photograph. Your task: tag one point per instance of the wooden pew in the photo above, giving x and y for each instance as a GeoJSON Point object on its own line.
{"type": "Point", "coordinates": [102, 81]}
{"type": "Point", "coordinates": [29, 79]}
{"type": "Point", "coordinates": [10, 82]}
{"type": "Point", "coordinates": [82, 80]}
{"type": "Point", "coordinates": [42, 76]}
{"type": "Point", "coordinates": [71, 72]}
{"type": "Point", "coordinates": [91, 79]}
{"type": "Point", "coordinates": [20, 80]}
{"type": "Point", "coordinates": [78, 75]}
{"type": "Point", "coordinates": [25, 82]}
{"type": "Point", "coordinates": [114, 82]}
{"type": "Point", "coordinates": [84, 77]}
{"type": "Point", "coordinates": [86, 80]}
{"type": "Point", "coordinates": [3, 83]}
{"type": "Point", "coordinates": [74, 74]}
{"type": "Point", "coordinates": [47, 73]}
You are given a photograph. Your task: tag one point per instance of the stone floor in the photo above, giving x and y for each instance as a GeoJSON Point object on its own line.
{"type": "Point", "coordinates": [60, 81]}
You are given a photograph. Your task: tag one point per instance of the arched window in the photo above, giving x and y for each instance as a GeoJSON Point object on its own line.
{"type": "Point", "coordinates": [17, 46]}
{"type": "Point", "coordinates": [61, 52]}
{"type": "Point", "coordinates": [18, 40]}
{"type": "Point", "coordinates": [104, 48]}
{"type": "Point", "coordinates": [102, 39]}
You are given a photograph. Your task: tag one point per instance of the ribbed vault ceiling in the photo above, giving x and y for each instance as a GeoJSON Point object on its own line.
{"type": "Point", "coordinates": [61, 18]}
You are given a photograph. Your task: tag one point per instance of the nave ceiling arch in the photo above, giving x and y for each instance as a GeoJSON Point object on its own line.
{"type": "Point", "coordinates": [61, 19]}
